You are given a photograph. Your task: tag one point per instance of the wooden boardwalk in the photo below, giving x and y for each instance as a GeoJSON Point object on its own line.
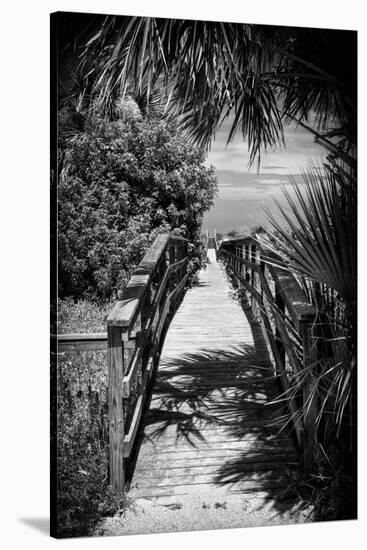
{"type": "Point", "coordinates": [210, 427]}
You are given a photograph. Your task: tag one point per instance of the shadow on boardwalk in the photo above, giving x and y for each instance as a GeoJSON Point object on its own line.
{"type": "Point", "coordinates": [217, 404]}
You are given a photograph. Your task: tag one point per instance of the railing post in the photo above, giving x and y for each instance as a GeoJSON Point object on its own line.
{"type": "Point", "coordinates": [257, 284]}
{"type": "Point", "coordinates": [177, 259]}
{"type": "Point", "coordinates": [115, 408]}
{"type": "Point", "coordinates": [172, 259]}
{"type": "Point", "coordinates": [253, 259]}
{"type": "Point", "coordinates": [281, 307]}
{"type": "Point", "coordinates": [246, 257]}
{"type": "Point", "coordinates": [310, 408]}
{"type": "Point", "coordinates": [243, 268]}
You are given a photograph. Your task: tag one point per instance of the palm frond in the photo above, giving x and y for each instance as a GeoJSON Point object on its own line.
{"type": "Point", "coordinates": [321, 240]}
{"type": "Point", "coordinates": [317, 243]}
{"type": "Point", "coordinates": [208, 69]}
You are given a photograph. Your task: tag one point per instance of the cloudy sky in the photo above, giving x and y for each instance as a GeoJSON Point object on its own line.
{"type": "Point", "coordinates": [241, 191]}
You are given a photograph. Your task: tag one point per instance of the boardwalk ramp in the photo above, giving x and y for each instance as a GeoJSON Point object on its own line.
{"type": "Point", "coordinates": [212, 450]}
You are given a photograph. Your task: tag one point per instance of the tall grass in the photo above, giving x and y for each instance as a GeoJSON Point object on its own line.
{"type": "Point", "coordinates": [83, 493]}
{"type": "Point", "coordinates": [81, 316]}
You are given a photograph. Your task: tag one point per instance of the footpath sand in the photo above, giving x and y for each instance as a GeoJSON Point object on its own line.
{"type": "Point", "coordinates": [203, 512]}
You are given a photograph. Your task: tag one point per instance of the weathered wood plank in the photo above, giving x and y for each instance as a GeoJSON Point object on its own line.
{"type": "Point", "coordinates": [255, 487]}
{"type": "Point", "coordinates": [184, 465]}
{"type": "Point", "coordinates": [197, 455]}
{"type": "Point", "coordinates": [252, 476]}
{"type": "Point", "coordinates": [80, 342]}
{"type": "Point", "coordinates": [182, 445]}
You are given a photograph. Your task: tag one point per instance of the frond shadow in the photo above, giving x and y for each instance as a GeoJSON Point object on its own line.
{"type": "Point", "coordinates": [228, 396]}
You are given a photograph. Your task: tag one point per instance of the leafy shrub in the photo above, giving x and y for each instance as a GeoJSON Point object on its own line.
{"type": "Point", "coordinates": [124, 182]}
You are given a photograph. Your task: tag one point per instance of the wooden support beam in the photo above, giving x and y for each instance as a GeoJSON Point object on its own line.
{"type": "Point", "coordinates": [115, 409]}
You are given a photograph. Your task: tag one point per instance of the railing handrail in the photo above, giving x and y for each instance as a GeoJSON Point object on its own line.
{"type": "Point", "coordinates": [136, 329]}
{"type": "Point", "coordinates": [125, 311]}
{"type": "Point", "coordinates": [298, 304]}
{"type": "Point", "coordinates": [89, 341]}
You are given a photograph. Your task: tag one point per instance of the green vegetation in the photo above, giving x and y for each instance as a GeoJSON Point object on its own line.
{"type": "Point", "coordinates": [81, 316]}
{"type": "Point", "coordinates": [319, 246]}
{"type": "Point", "coordinates": [267, 76]}
{"type": "Point", "coordinates": [83, 494]}
{"type": "Point", "coordinates": [123, 182]}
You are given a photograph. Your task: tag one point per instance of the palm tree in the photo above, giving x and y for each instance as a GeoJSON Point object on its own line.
{"type": "Point", "coordinates": [266, 76]}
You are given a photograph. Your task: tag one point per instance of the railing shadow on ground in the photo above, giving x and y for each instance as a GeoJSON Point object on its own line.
{"type": "Point", "coordinates": [200, 284]}
{"type": "Point", "coordinates": [227, 391]}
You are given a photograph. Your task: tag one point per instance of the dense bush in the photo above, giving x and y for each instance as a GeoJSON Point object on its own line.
{"type": "Point", "coordinates": [123, 182]}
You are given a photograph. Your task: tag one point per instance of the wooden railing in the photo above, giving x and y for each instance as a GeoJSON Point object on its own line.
{"type": "Point", "coordinates": [136, 328]}
{"type": "Point", "coordinates": [138, 323]}
{"type": "Point", "coordinates": [287, 317]}
{"type": "Point", "coordinates": [80, 342]}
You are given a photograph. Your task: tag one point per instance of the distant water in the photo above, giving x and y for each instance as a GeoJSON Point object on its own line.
{"type": "Point", "coordinates": [229, 214]}
{"type": "Point", "coordinates": [242, 197]}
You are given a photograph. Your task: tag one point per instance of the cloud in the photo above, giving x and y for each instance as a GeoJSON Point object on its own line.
{"type": "Point", "coordinates": [242, 191]}
{"type": "Point", "coordinates": [271, 181]}
{"type": "Point", "coordinates": [234, 186]}
{"type": "Point", "coordinates": [291, 159]}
